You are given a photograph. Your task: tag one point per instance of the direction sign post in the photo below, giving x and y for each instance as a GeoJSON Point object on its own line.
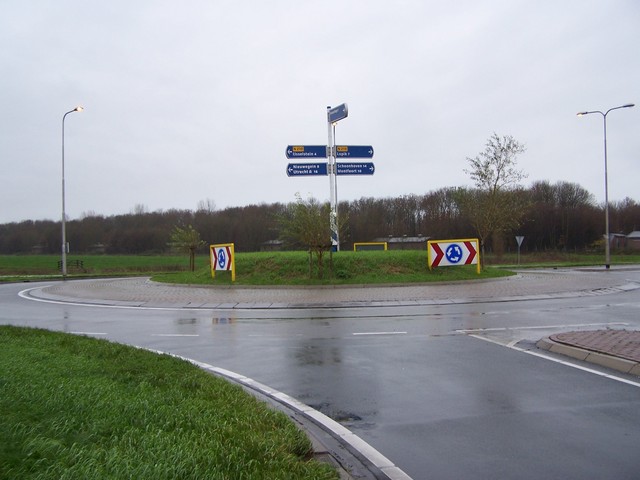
{"type": "Point", "coordinates": [338, 113]}
{"type": "Point", "coordinates": [354, 151]}
{"type": "Point", "coordinates": [356, 168]}
{"type": "Point", "coordinates": [331, 167]}
{"type": "Point", "coordinates": [305, 169]}
{"type": "Point", "coordinates": [306, 151]}
{"type": "Point", "coordinates": [333, 116]}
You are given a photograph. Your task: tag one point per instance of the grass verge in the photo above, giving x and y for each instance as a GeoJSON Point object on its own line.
{"type": "Point", "coordinates": [77, 407]}
{"type": "Point", "coordinates": [292, 268]}
{"type": "Point", "coordinates": [343, 268]}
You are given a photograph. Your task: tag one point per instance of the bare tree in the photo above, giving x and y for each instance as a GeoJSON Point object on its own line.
{"type": "Point", "coordinates": [139, 209]}
{"type": "Point", "coordinates": [208, 206]}
{"type": "Point", "coordinates": [497, 203]}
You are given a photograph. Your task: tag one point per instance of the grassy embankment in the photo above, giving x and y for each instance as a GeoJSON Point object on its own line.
{"type": "Point", "coordinates": [78, 407]}
{"type": "Point", "coordinates": [289, 268]}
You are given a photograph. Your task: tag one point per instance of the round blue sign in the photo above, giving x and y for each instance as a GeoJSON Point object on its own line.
{"type": "Point", "coordinates": [222, 259]}
{"type": "Point", "coordinates": [454, 253]}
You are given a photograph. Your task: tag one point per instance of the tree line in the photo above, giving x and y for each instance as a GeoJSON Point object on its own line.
{"type": "Point", "coordinates": [559, 216]}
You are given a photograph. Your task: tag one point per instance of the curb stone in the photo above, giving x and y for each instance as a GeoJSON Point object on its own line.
{"type": "Point", "coordinates": [604, 360]}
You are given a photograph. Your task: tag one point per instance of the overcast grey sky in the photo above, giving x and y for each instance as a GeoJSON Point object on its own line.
{"type": "Point", "coordinates": [195, 100]}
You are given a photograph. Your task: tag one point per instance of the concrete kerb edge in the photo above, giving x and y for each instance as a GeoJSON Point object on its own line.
{"type": "Point", "coordinates": [379, 466]}
{"type": "Point", "coordinates": [42, 296]}
{"type": "Point", "coordinates": [609, 361]}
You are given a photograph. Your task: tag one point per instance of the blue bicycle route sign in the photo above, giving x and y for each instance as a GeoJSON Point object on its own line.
{"type": "Point", "coordinates": [303, 169]}
{"type": "Point", "coordinates": [355, 168]}
{"type": "Point", "coordinates": [336, 114]}
{"type": "Point", "coordinates": [306, 151]}
{"type": "Point", "coordinates": [354, 151]}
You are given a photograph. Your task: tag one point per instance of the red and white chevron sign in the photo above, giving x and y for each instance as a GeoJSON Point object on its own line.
{"type": "Point", "coordinates": [223, 259]}
{"type": "Point", "coordinates": [447, 253]}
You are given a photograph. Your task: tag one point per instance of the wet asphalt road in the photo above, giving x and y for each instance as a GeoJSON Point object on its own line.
{"type": "Point", "coordinates": [417, 382]}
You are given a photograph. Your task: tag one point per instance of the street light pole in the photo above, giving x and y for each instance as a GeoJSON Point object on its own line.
{"type": "Point", "coordinates": [64, 228]}
{"type": "Point", "coordinates": [607, 245]}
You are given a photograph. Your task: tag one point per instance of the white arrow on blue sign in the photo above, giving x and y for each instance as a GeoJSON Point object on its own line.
{"type": "Point", "coordinates": [336, 114]}
{"type": "Point", "coordinates": [354, 151]}
{"type": "Point", "coordinates": [306, 151]}
{"type": "Point", "coordinates": [304, 169]}
{"type": "Point", "coordinates": [356, 168]}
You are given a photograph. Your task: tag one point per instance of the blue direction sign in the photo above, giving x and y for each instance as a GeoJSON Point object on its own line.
{"type": "Point", "coordinates": [354, 151]}
{"type": "Point", "coordinates": [336, 114]}
{"type": "Point", "coordinates": [306, 151]}
{"type": "Point", "coordinates": [356, 168]}
{"type": "Point", "coordinates": [303, 169]}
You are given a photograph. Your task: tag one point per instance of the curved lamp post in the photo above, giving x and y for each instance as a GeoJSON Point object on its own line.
{"type": "Point", "coordinates": [64, 229]}
{"type": "Point", "coordinates": [607, 245]}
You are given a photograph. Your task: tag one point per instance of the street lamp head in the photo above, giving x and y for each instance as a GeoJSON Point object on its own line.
{"type": "Point", "coordinates": [79, 108]}
{"type": "Point", "coordinates": [628, 105]}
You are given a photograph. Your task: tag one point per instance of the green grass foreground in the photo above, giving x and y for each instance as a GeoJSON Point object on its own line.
{"type": "Point", "coordinates": [76, 408]}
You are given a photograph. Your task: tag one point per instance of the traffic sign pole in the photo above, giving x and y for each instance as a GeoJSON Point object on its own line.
{"type": "Point", "coordinates": [331, 168]}
{"type": "Point", "coordinates": [519, 239]}
{"type": "Point", "coordinates": [333, 184]}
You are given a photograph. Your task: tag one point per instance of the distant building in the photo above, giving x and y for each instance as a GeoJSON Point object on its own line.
{"type": "Point", "coordinates": [98, 248]}
{"type": "Point", "coordinates": [271, 246]}
{"type": "Point", "coordinates": [404, 242]}
{"type": "Point", "coordinates": [617, 240]}
{"type": "Point", "coordinates": [633, 240]}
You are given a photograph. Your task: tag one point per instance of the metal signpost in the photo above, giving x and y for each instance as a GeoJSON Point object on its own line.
{"type": "Point", "coordinates": [300, 169]}
{"type": "Point", "coordinates": [519, 239]}
{"type": "Point", "coordinates": [331, 168]}
{"type": "Point", "coordinates": [334, 115]}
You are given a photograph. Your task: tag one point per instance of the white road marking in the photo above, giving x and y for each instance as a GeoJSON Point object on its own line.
{"type": "Point", "coordinates": [175, 335]}
{"type": "Point", "coordinates": [379, 333]}
{"type": "Point", "coordinates": [561, 362]}
{"type": "Point", "coordinates": [25, 295]}
{"type": "Point", "coordinates": [540, 327]}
